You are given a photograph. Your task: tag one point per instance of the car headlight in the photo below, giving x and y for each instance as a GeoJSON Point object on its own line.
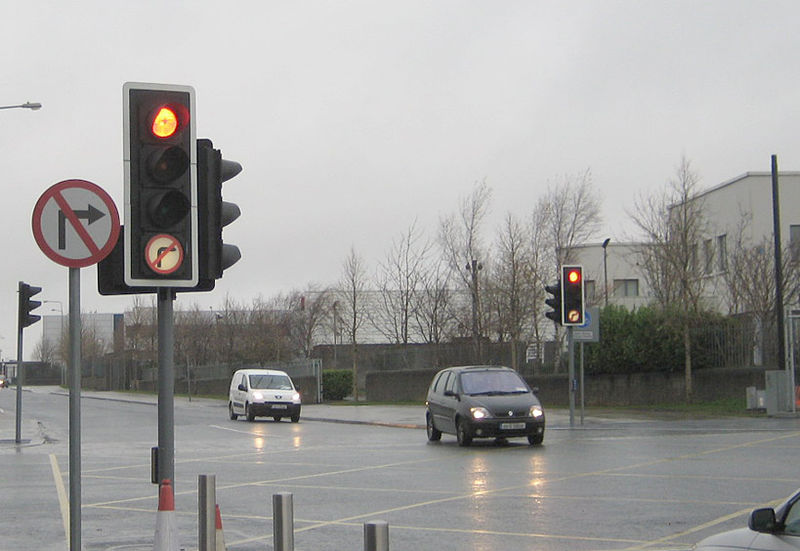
{"type": "Point", "coordinates": [296, 398]}
{"type": "Point", "coordinates": [480, 413]}
{"type": "Point", "coordinates": [258, 396]}
{"type": "Point", "coordinates": [536, 411]}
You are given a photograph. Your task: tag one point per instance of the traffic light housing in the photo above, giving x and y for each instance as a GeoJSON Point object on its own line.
{"type": "Point", "coordinates": [160, 158]}
{"type": "Point", "coordinates": [213, 212]}
{"type": "Point", "coordinates": [554, 302]}
{"type": "Point", "coordinates": [572, 293]}
{"type": "Point", "coordinates": [26, 304]}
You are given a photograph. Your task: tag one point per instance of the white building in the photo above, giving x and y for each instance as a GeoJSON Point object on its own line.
{"type": "Point", "coordinates": [741, 205]}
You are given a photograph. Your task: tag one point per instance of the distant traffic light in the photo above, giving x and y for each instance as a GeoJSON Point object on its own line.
{"type": "Point", "coordinates": [573, 303]}
{"type": "Point", "coordinates": [214, 213]}
{"type": "Point", "coordinates": [161, 235]}
{"type": "Point", "coordinates": [26, 304]}
{"type": "Point", "coordinates": [554, 302]}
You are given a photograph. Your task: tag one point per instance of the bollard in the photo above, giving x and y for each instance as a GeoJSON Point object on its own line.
{"type": "Point", "coordinates": [376, 535]}
{"type": "Point", "coordinates": [282, 522]}
{"type": "Point", "coordinates": [207, 512]}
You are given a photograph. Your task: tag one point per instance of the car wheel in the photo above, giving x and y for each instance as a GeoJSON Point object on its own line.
{"type": "Point", "coordinates": [535, 439]}
{"type": "Point", "coordinates": [248, 412]}
{"type": "Point", "coordinates": [434, 434]}
{"type": "Point", "coordinates": [277, 418]}
{"type": "Point", "coordinates": [462, 434]}
{"type": "Point", "coordinates": [296, 418]}
{"type": "Point", "coordinates": [231, 414]}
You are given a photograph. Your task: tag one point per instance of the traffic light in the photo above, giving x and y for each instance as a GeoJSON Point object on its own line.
{"type": "Point", "coordinates": [572, 293]}
{"type": "Point", "coordinates": [554, 302]}
{"type": "Point", "coordinates": [161, 232]}
{"type": "Point", "coordinates": [26, 304]}
{"type": "Point", "coordinates": [214, 213]}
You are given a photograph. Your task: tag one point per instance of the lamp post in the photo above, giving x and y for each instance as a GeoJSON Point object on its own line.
{"type": "Point", "coordinates": [605, 269]}
{"type": "Point", "coordinates": [474, 267]}
{"type": "Point", "coordinates": [60, 336]}
{"type": "Point", "coordinates": [33, 106]}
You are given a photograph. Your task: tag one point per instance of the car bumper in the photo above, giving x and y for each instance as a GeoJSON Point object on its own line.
{"type": "Point", "coordinates": [506, 428]}
{"type": "Point", "coordinates": [275, 409]}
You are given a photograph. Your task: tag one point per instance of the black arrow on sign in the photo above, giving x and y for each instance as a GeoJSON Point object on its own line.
{"type": "Point", "coordinates": [91, 214]}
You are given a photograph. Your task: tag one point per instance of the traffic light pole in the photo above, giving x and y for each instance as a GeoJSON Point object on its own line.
{"type": "Point", "coordinates": [166, 385]}
{"type": "Point", "coordinates": [20, 381]}
{"type": "Point", "coordinates": [571, 375]}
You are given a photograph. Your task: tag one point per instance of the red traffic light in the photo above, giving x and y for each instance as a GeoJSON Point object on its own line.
{"type": "Point", "coordinates": [574, 276]}
{"type": "Point", "coordinates": [165, 123]}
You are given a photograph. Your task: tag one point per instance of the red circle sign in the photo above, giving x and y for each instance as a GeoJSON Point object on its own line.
{"type": "Point", "coordinates": [75, 223]}
{"type": "Point", "coordinates": [163, 254]}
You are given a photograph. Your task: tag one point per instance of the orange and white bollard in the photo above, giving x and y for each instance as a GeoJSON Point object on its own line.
{"type": "Point", "coordinates": [166, 529]}
{"type": "Point", "coordinates": [220, 536]}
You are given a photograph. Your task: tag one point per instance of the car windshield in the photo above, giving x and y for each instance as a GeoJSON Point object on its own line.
{"type": "Point", "coordinates": [273, 382]}
{"type": "Point", "coordinates": [492, 382]}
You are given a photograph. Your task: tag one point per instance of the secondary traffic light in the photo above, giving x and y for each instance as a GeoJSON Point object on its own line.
{"type": "Point", "coordinates": [214, 213]}
{"type": "Point", "coordinates": [26, 304]}
{"type": "Point", "coordinates": [554, 302]}
{"type": "Point", "coordinates": [161, 232]}
{"type": "Point", "coordinates": [573, 307]}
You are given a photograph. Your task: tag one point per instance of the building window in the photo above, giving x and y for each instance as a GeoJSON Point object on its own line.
{"type": "Point", "coordinates": [590, 289]}
{"type": "Point", "coordinates": [708, 255]}
{"type": "Point", "coordinates": [794, 241]}
{"type": "Point", "coordinates": [626, 287]}
{"type": "Point", "coordinates": [722, 253]}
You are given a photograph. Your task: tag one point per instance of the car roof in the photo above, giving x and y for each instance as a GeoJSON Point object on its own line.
{"type": "Point", "coordinates": [256, 371]}
{"type": "Point", "coordinates": [463, 368]}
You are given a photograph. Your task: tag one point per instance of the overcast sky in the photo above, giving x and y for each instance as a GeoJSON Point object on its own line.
{"type": "Point", "coordinates": [354, 118]}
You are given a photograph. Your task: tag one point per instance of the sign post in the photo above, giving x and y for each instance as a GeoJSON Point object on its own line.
{"type": "Point", "coordinates": [76, 224]}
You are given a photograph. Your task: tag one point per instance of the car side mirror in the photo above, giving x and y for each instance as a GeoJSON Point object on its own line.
{"type": "Point", "coordinates": [762, 520]}
{"type": "Point", "coordinates": [242, 387]}
{"type": "Point", "coordinates": [535, 389]}
{"type": "Point", "coordinates": [451, 393]}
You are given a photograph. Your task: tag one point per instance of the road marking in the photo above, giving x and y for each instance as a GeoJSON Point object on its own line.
{"type": "Point", "coordinates": [63, 502]}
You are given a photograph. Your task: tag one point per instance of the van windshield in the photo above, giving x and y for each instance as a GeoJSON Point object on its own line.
{"type": "Point", "coordinates": [273, 382]}
{"type": "Point", "coordinates": [492, 382]}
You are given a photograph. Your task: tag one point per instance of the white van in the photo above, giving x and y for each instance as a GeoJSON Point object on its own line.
{"type": "Point", "coordinates": [263, 393]}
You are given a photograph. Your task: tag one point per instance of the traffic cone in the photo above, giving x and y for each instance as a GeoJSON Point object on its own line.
{"type": "Point", "coordinates": [220, 536]}
{"type": "Point", "coordinates": [166, 530]}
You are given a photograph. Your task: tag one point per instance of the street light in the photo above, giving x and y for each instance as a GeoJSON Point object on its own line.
{"type": "Point", "coordinates": [60, 336]}
{"type": "Point", "coordinates": [605, 270]}
{"type": "Point", "coordinates": [33, 106]}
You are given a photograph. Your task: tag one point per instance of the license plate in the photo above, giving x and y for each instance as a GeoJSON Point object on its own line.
{"type": "Point", "coordinates": [512, 426]}
{"type": "Point", "coordinates": [279, 406]}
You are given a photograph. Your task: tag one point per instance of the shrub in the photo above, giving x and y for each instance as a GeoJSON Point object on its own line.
{"type": "Point", "coordinates": [336, 383]}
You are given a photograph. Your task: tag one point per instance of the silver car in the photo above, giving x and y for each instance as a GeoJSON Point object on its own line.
{"type": "Point", "coordinates": [768, 530]}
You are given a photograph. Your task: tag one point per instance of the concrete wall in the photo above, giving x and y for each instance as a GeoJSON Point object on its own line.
{"type": "Point", "coordinates": [601, 390]}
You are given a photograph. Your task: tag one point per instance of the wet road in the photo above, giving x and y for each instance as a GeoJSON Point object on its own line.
{"type": "Point", "coordinates": [615, 483]}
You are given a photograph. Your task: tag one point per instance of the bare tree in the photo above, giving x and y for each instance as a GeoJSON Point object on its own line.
{"type": "Point", "coordinates": [352, 287]}
{"type": "Point", "coordinates": [399, 279]}
{"type": "Point", "coordinates": [462, 246]}
{"type": "Point", "coordinates": [433, 313]}
{"type": "Point", "coordinates": [307, 312]}
{"type": "Point", "coordinates": [514, 283]}
{"type": "Point", "coordinates": [673, 223]}
{"type": "Point", "coordinates": [571, 215]}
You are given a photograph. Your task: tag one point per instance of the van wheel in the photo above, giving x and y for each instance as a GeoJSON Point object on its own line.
{"type": "Point", "coordinates": [248, 412]}
{"type": "Point", "coordinates": [462, 434]}
{"type": "Point", "coordinates": [231, 414]}
{"type": "Point", "coordinates": [296, 418]}
{"type": "Point", "coordinates": [434, 434]}
{"type": "Point", "coordinates": [277, 418]}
